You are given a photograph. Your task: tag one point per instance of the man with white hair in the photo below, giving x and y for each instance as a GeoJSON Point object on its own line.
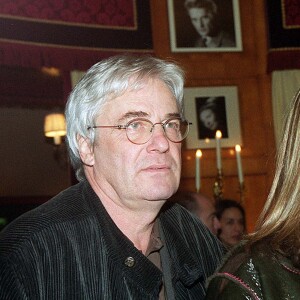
{"type": "Point", "coordinates": [114, 235]}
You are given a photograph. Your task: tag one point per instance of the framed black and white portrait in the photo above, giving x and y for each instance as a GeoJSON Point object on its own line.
{"type": "Point", "coordinates": [211, 109]}
{"type": "Point", "coordinates": [204, 25]}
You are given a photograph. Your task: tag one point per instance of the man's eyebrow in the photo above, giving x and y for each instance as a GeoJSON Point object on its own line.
{"type": "Point", "coordinates": [142, 114]}
{"type": "Point", "coordinates": [133, 114]}
{"type": "Point", "coordinates": [173, 115]}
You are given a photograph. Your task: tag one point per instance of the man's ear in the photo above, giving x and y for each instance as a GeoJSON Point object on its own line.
{"type": "Point", "coordinates": [85, 150]}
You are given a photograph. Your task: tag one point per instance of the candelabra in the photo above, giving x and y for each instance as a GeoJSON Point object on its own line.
{"type": "Point", "coordinates": [218, 186]}
{"type": "Point", "coordinates": [218, 183]}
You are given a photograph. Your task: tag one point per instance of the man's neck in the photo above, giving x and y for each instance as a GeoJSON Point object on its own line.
{"type": "Point", "coordinates": [136, 225]}
{"type": "Point", "coordinates": [134, 217]}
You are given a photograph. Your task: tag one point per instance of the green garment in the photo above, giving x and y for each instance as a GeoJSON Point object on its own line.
{"type": "Point", "coordinates": [258, 273]}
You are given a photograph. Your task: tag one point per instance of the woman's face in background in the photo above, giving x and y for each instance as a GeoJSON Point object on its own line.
{"type": "Point", "coordinates": [208, 118]}
{"type": "Point", "coordinates": [231, 226]}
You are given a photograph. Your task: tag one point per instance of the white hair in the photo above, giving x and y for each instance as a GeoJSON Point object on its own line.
{"type": "Point", "coordinates": [106, 80]}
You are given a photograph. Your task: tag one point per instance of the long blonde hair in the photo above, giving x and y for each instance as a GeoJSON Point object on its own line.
{"type": "Point", "coordinates": [279, 222]}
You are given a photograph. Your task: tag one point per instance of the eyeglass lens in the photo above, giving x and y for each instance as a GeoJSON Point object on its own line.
{"type": "Point", "coordinates": [139, 131]}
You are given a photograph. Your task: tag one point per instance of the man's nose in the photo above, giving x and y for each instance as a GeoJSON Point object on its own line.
{"type": "Point", "coordinates": [158, 141]}
{"type": "Point", "coordinates": [159, 131]}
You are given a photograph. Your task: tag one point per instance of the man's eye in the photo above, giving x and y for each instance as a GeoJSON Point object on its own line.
{"type": "Point", "coordinates": [137, 125]}
{"type": "Point", "coordinates": [134, 125]}
{"type": "Point", "coordinates": [173, 125]}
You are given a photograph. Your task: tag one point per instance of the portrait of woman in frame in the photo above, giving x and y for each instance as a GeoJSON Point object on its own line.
{"type": "Point", "coordinates": [210, 109]}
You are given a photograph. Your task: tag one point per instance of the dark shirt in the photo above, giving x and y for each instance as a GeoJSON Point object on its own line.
{"type": "Point", "coordinates": [155, 244]}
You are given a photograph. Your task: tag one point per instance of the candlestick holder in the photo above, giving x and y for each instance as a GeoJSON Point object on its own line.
{"type": "Point", "coordinates": [218, 186]}
{"type": "Point", "coordinates": [242, 192]}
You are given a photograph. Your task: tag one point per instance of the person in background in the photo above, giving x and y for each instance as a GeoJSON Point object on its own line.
{"type": "Point", "coordinates": [201, 206]}
{"type": "Point", "coordinates": [114, 235]}
{"type": "Point", "coordinates": [232, 219]}
{"type": "Point", "coordinates": [267, 264]}
{"type": "Point", "coordinates": [205, 19]}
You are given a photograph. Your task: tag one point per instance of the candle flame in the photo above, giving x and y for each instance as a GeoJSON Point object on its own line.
{"type": "Point", "coordinates": [218, 134]}
{"type": "Point", "coordinates": [199, 153]}
{"type": "Point", "coordinates": [238, 148]}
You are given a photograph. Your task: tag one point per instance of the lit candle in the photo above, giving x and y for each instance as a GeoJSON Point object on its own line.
{"type": "Point", "coordinates": [197, 177]}
{"type": "Point", "coordinates": [218, 149]}
{"type": "Point", "coordinates": [239, 163]}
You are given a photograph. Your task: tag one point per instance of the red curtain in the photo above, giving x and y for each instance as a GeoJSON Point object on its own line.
{"type": "Point", "coordinates": [72, 34]}
{"type": "Point", "coordinates": [284, 34]}
{"type": "Point", "coordinates": [92, 12]}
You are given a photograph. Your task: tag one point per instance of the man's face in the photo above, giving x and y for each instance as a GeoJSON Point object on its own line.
{"type": "Point", "coordinates": [207, 214]}
{"type": "Point", "coordinates": [202, 20]}
{"type": "Point", "coordinates": [131, 172]}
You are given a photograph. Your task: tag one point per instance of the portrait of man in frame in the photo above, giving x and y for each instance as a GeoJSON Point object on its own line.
{"type": "Point", "coordinates": [204, 25]}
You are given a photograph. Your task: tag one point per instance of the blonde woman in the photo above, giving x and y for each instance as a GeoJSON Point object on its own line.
{"type": "Point", "coordinates": [267, 264]}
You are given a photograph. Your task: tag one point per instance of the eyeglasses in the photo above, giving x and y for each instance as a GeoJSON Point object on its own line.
{"type": "Point", "coordinates": [139, 131]}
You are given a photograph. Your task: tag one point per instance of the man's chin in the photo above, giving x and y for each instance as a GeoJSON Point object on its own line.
{"type": "Point", "coordinates": [160, 194]}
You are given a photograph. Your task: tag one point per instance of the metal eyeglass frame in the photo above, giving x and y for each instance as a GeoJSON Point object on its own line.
{"type": "Point", "coordinates": [163, 124]}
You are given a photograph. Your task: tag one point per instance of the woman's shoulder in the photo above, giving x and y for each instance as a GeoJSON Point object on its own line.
{"type": "Point", "coordinates": [236, 277]}
{"type": "Point", "coordinates": [246, 269]}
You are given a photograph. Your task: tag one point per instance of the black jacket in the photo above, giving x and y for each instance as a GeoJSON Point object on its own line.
{"type": "Point", "coordinates": [69, 248]}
